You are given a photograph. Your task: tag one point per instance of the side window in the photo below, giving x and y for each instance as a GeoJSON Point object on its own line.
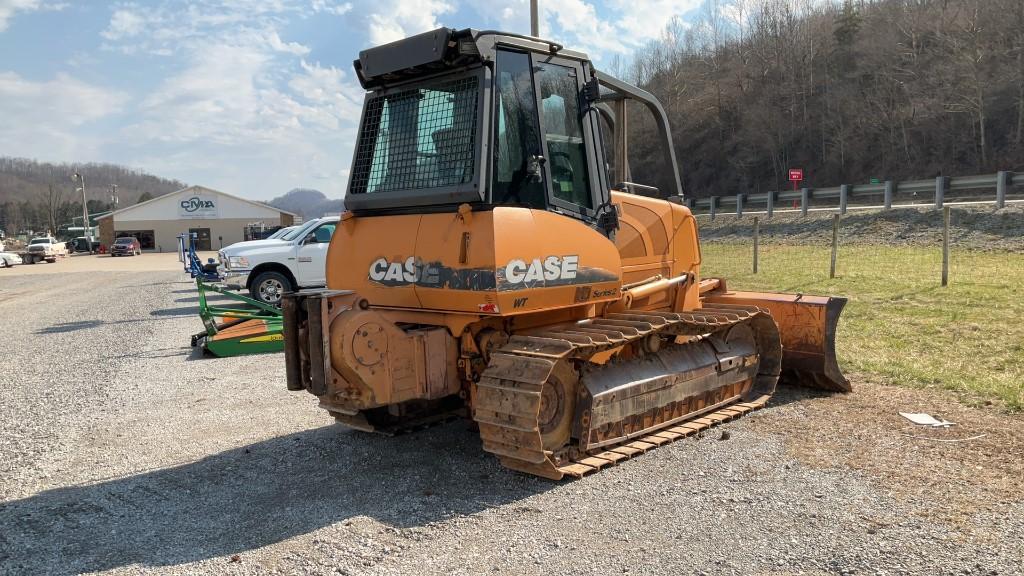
{"type": "Point", "coordinates": [563, 134]}
{"type": "Point", "coordinates": [323, 233]}
{"type": "Point", "coordinates": [517, 133]}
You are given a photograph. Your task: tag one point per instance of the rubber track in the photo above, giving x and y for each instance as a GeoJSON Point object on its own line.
{"type": "Point", "coordinates": [508, 395]}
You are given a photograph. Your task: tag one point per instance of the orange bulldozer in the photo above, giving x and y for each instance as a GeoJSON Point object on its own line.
{"type": "Point", "coordinates": [496, 262]}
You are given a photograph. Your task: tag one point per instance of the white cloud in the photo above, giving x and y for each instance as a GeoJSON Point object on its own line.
{"type": "Point", "coordinates": [601, 28]}
{"type": "Point", "coordinates": [47, 119]}
{"type": "Point", "coordinates": [641, 20]}
{"type": "Point", "coordinates": [338, 9]}
{"type": "Point", "coordinates": [9, 7]}
{"type": "Point", "coordinates": [276, 43]}
{"type": "Point", "coordinates": [125, 23]}
{"type": "Point", "coordinates": [392, 20]}
{"type": "Point", "coordinates": [244, 108]}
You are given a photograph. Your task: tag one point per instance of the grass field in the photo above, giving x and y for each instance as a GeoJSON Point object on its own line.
{"type": "Point", "coordinates": [900, 324]}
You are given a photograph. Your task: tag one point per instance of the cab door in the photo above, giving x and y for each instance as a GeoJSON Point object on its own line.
{"type": "Point", "coordinates": [569, 138]}
{"type": "Point", "coordinates": [311, 255]}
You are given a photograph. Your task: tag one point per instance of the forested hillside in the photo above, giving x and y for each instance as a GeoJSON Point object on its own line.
{"type": "Point", "coordinates": [41, 196]}
{"type": "Point", "coordinates": [848, 91]}
{"type": "Point", "coordinates": [307, 203]}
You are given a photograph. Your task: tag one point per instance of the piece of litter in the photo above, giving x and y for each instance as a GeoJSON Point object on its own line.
{"type": "Point", "coordinates": [923, 419]}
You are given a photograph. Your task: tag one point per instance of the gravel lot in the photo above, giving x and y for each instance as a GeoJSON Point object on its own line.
{"type": "Point", "coordinates": [123, 451]}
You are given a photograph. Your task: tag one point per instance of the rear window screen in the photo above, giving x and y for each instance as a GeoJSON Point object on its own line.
{"type": "Point", "coordinates": [419, 138]}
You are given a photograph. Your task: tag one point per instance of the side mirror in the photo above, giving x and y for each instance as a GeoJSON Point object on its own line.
{"type": "Point", "coordinates": [535, 167]}
{"type": "Point", "coordinates": [592, 91]}
{"type": "Point", "coordinates": [309, 239]}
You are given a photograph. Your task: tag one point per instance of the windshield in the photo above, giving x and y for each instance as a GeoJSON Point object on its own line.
{"type": "Point", "coordinates": [40, 241]}
{"type": "Point", "coordinates": [299, 230]}
{"type": "Point", "coordinates": [281, 232]}
{"type": "Point", "coordinates": [418, 138]}
{"type": "Point", "coordinates": [124, 241]}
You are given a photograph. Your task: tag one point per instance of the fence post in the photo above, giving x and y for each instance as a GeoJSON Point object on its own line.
{"type": "Point", "coordinates": [945, 245]}
{"type": "Point", "coordinates": [940, 191]}
{"type": "Point", "coordinates": [714, 206]}
{"type": "Point", "coordinates": [805, 197]}
{"type": "Point", "coordinates": [1001, 181]}
{"type": "Point", "coordinates": [890, 187]}
{"type": "Point", "coordinates": [844, 194]}
{"type": "Point", "coordinates": [771, 203]}
{"type": "Point", "coordinates": [835, 245]}
{"type": "Point", "coordinates": [757, 234]}
{"type": "Point", "coordinates": [739, 205]}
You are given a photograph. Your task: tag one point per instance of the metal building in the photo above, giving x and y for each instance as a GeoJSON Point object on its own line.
{"type": "Point", "coordinates": [218, 218]}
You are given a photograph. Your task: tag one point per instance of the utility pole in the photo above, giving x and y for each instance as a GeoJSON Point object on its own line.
{"type": "Point", "coordinates": [534, 21]}
{"type": "Point", "coordinates": [113, 196]}
{"type": "Point", "coordinates": [78, 178]}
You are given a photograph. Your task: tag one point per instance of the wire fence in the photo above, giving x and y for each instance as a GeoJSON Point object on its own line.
{"type": "Point", "coordinates": [925, 247]}
{"type": "Point", "coordinates": [998, 189]}
{"type": "Point", "coordinates": [935, 297]}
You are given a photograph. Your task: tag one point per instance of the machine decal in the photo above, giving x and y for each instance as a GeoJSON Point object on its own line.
{"type": "Point", "coordinates": [549, 272]}
{"type": "Point", "coordinates": [413, 271]}
{"type": "Point", "coordinates": [517, 274]}
{"type": "Point", "coordinates": [552, 268]}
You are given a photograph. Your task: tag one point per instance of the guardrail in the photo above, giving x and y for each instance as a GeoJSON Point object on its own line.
{"type": "Point", "coordinates": [940, 186]}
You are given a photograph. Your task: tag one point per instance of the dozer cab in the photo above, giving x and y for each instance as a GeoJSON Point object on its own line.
{"type": "Point", "coordinates": [495, 262]}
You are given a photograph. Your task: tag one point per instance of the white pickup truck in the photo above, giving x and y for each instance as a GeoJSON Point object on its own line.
{"type": "Point", "coordinates": [269, 268]}
{"type": "Point", "coordinates": [44, 248]}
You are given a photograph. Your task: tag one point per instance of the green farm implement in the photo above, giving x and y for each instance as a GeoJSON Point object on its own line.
{"type": "Point", "coordinates": [248, 327]}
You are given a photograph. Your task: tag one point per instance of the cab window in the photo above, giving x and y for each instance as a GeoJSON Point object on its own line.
{"type": "Point", "coordinates": [563, 134]}
{"type": "Point", "coordinates": [517, 134]}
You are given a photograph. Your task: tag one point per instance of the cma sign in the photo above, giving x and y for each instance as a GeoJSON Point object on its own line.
{"type": "Point", "coordinates": [197, 207]}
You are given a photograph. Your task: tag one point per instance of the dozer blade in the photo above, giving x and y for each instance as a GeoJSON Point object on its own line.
{"type": "Point", "coordinates": [807, 325]}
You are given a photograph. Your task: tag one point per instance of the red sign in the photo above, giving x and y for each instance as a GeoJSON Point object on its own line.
{"type": "Point", "coordinates": [796, 174]}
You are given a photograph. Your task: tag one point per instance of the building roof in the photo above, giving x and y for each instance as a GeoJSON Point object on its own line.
{"type": "Point", "coordinates": [194, 189]}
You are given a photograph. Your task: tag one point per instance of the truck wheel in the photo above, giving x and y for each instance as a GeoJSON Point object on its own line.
{"type": "Point", "coordinates": [269, 286]}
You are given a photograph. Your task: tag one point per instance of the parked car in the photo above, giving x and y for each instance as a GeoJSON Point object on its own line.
{"type": "Point", "coordinates": [45, 248]}
{"type": "Point", "coordinates": [126, 246]}
{"type": "Point", "coordinates": [8, 259]}
{"type": "Point", "coordinates": [269, 268]}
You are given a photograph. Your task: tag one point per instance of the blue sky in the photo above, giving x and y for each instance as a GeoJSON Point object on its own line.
{"type": "Point", "coordinates": [253, 97]}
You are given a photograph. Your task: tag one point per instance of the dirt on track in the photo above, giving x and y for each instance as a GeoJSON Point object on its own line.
{"type": "Point", "coordinates": [123, 451]}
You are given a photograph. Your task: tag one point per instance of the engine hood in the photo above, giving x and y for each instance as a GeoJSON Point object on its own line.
{"type": "Point", "coordinates": [255, 246]}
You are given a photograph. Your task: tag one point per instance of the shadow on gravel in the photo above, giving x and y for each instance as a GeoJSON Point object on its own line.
{"type": "Point", "coordinates": [173, 352]}
{"type": "Point", "coordinates": [186, 311]}
{"type": "Point", "coordinates": [256, 495]}
{"type": "Point", "coordinates": [209, 298]}
{"type": "Point", "coordinates": [63, 327]}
